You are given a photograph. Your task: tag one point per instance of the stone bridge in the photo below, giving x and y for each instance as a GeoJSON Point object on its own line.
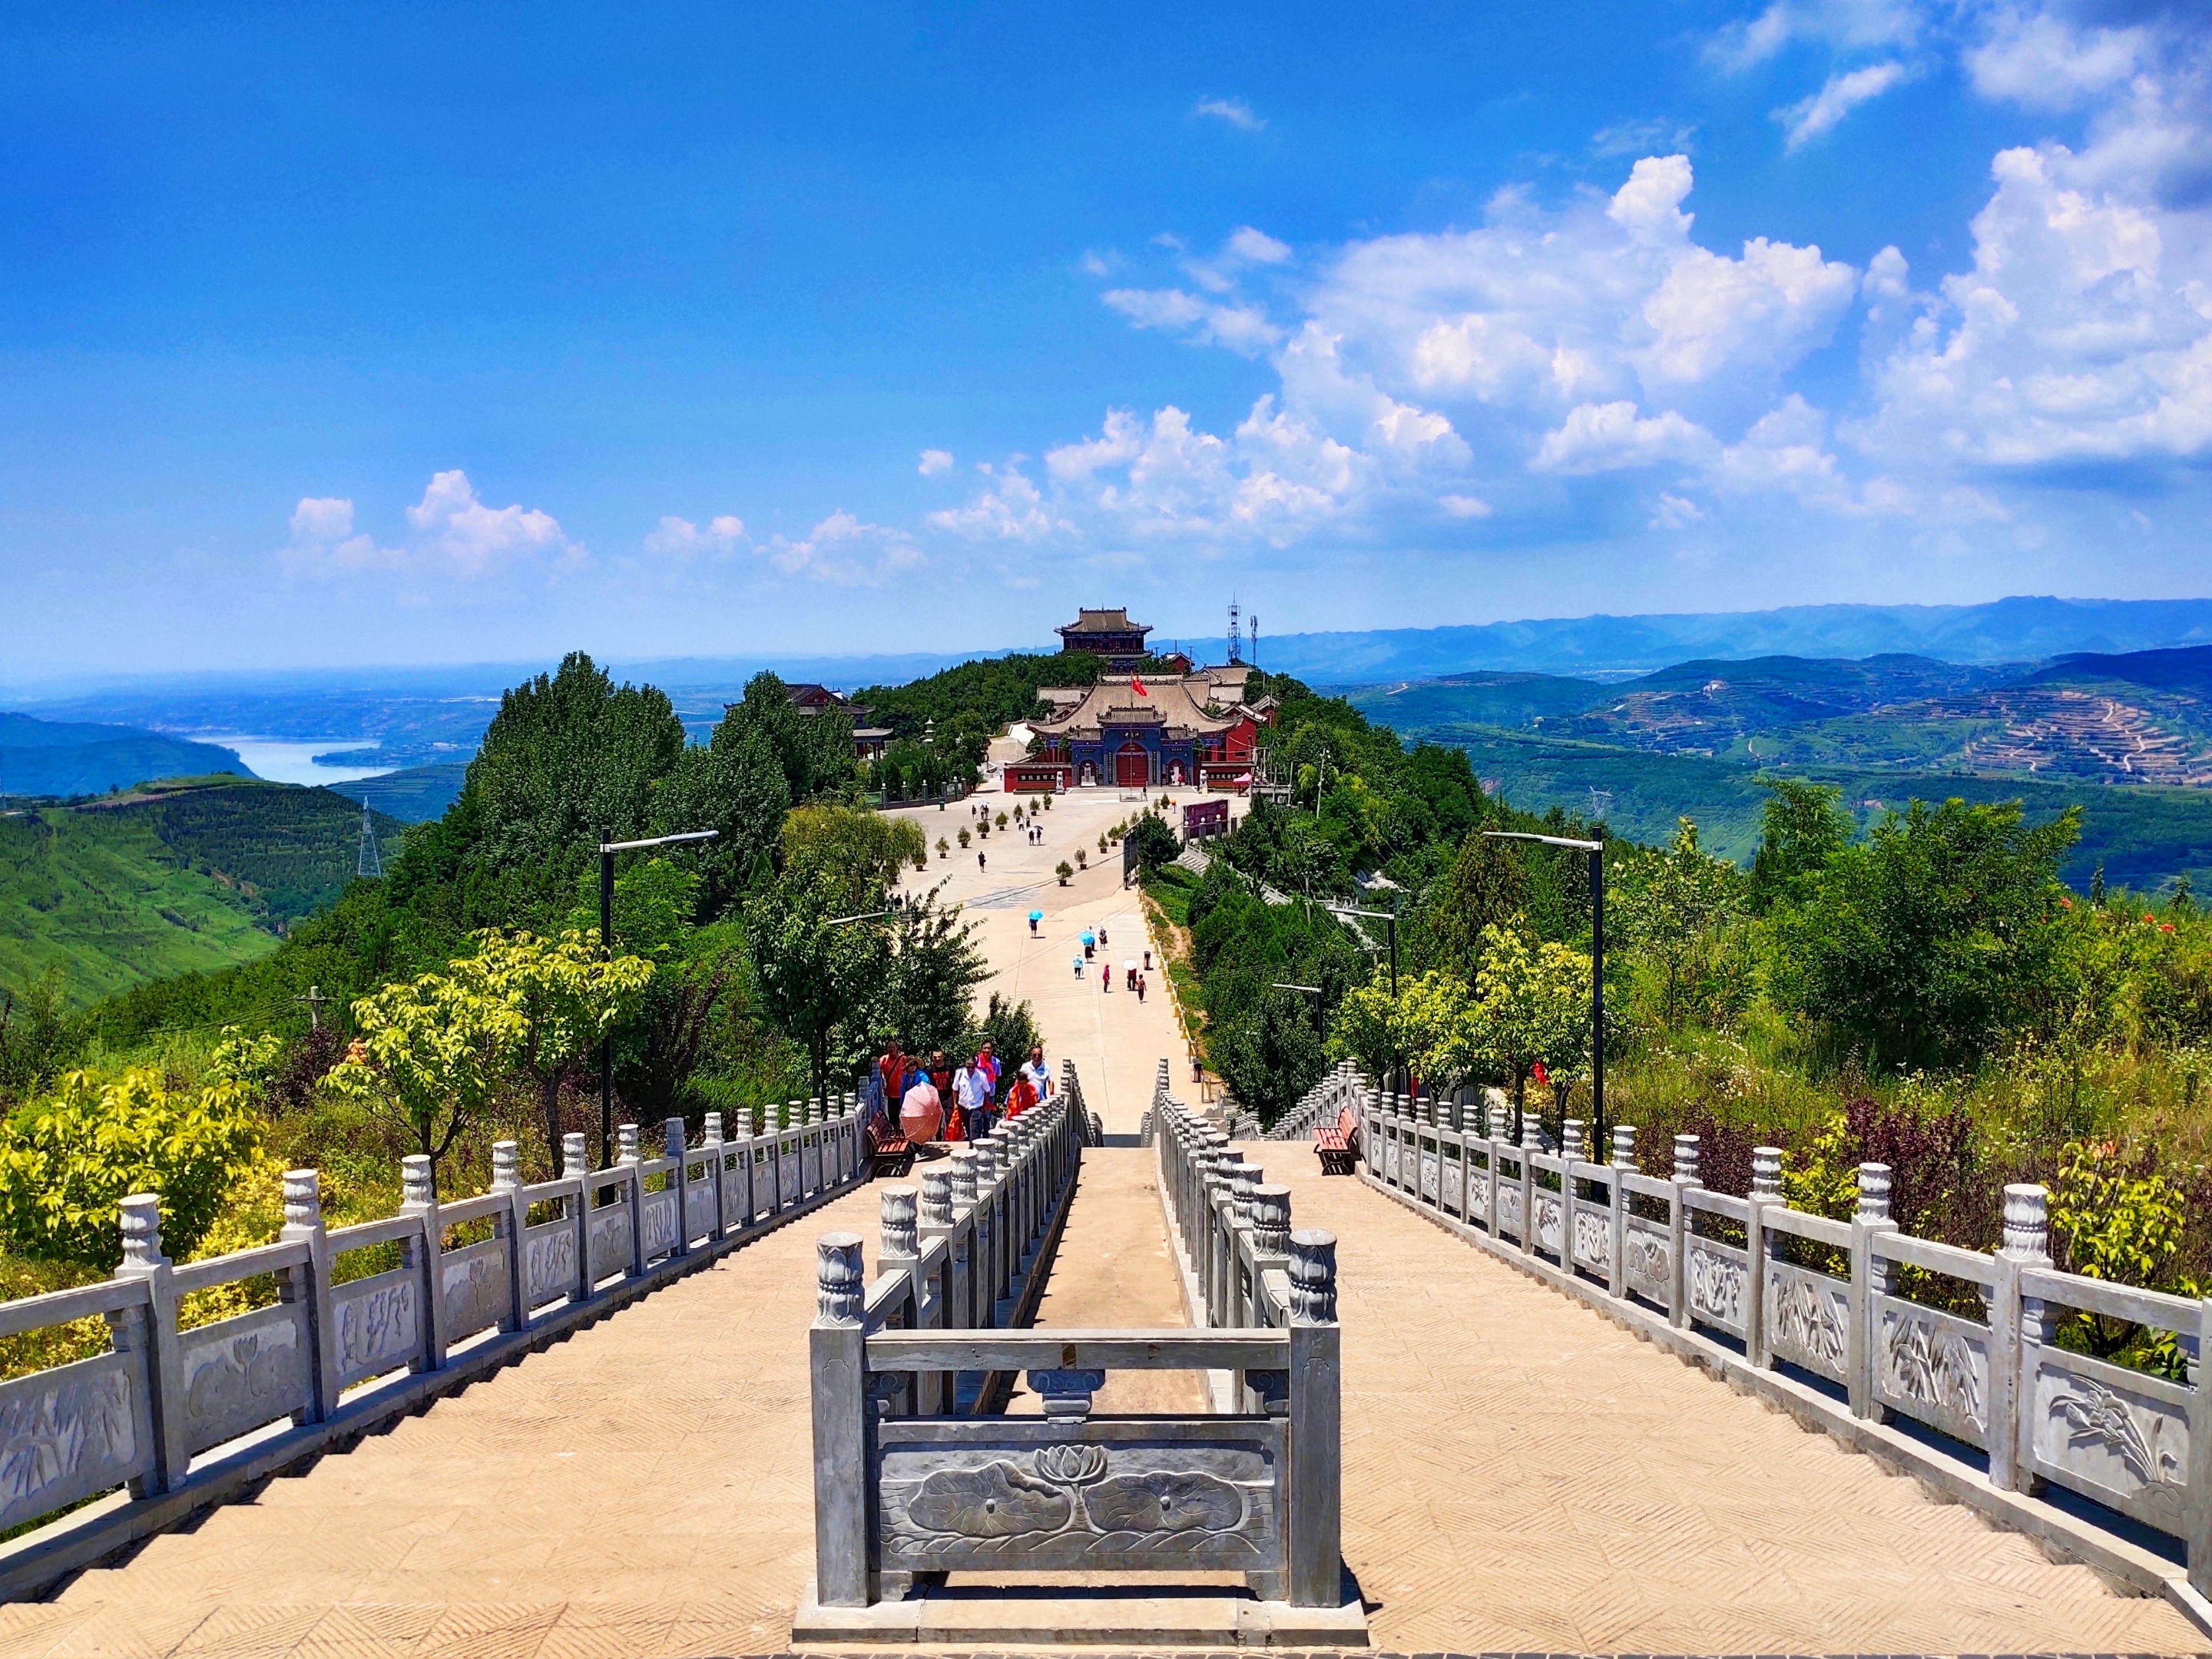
{"type": "Point", "coordinates": [587, 1429]}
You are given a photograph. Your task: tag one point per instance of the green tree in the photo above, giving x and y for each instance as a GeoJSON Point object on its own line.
{"type": "Point", "coordinates": [734, 785]}
{"type": "Point", "coordinates": [1369, 1027]}
{"type": "Point", "coordinates": [1271, 1054]}
{"type": "Point", "coordinates": [1156, 842]}
{"type": "Point", "coordinates": [812, 976]}
{"type": "Point", "coordinates": [859, 852]}
{"type": "Point", "coordinates": [569, 995]}
{"type": "Point", "coordinates": [432, 1052]}
{"type": "Point", "coordinates": [69, 1160]}
{"type": "Point", "coordinates": [1487, 885]}
{"type": "Point", "coordinates": [1926, 944]}
{"type": "Point", "coordinates": [1804, 825]}
{"type": "Point", "coordinates": [1532, 1007]}
{"type": "Point", "coordinates": [570, 758]}
{"type": "Point", "coordinates": [1670, 905]}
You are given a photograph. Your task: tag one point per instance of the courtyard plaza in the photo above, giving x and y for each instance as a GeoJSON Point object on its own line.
{"type": "Point", "coordinates": [1520, 1475]}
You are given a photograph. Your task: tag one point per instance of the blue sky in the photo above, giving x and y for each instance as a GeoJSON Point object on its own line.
{"type": "Point", "coordinates": [443, 333]}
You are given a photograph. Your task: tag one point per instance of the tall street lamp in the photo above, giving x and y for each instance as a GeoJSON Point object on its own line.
{"type": "Point", "coordinates": [1596, 851]}
{"type": "Point", "coordinates": [607, 851]}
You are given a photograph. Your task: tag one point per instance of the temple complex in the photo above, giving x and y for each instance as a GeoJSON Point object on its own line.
{"type": "Point", "coordinates": [1107, 634]}
{"type": "Point", "coordinates": [1140, 732]}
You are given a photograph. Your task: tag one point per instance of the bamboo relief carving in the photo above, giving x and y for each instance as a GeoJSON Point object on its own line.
{"type": "Point", "coordinates": [63, 1436]}
{"type": "Point", "coordinates": [475, 1291]}
{"type": "Point", "coordinates": [1923, 1361]}
{"type": "Point", "coordinates": [1547, 1220]}
{"type": "Point", "coordinates": [379, 1329]}
{"type": "Point", "coordinates": [1805, 1321]}
{"type": "Point", "coordinates": [549, 1262]}
{"type": "Point", "coordinates": [1430, 1172]}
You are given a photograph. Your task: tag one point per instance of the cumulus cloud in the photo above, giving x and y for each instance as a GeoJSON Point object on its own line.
{"type": "Point", "coordinates": [1613, 438]}
{"type": "Point", "coordinates": [1675, 512]}
{"type": "Point", "coordinates": [935, 461]}
{"type": "Point", "coordinates": [453, 535]}
{"type": "Point", "coordinates": [1235, 111]}
{"type": "Point", "coordinates": [1809, 117]}
{"type": "Point", "coordinates": [681, 538]}
{"type": "Point", "coordinates": [454, 527]}
{"type": "Point", "coordinates": [1842, 25]}
{"type": "Point", "coordinates": [1009, 508]}
{"type": "Point", "coordinates": [1258, 247]}
{"type": "Point", "coordinates": [843, 551]}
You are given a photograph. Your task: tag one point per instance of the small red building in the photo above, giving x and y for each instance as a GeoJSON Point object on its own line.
{"type": "Point", "coordinates": [1201, 818]}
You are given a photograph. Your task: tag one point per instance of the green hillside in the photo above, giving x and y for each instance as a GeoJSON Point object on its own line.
{"type": "Point", "coordinates": [180, 876]}
{"type": "Point", "coordinates": [414, 794]}
{"type": "Point", "coordinates": [2143, 837]}
{"type": "Point", "coordinates": [69, 758]}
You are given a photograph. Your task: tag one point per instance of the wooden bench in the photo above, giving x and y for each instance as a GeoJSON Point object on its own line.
{"type": "Point", "coordinates": [888, 1148]}
{"type": "Point", "coordinates": [1337, 1144]}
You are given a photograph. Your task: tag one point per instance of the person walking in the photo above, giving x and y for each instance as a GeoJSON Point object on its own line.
{"type": "Point", "coordinates": [1141, 988]}
{"type": "Point", "coordinates": [1038, 1073]}
{"type": "Point", "coordinates": [979, 860]}
{"type": "Point", "coordinates": [922, 1114]}
{"type": "Point", "coordinates": [972, 1089]}
{"type": "Point", "coordinates": [1021, 1097]}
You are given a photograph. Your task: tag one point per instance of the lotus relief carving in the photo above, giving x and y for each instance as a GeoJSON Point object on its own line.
{"type": "Point", "coordinates": [1067, 1495]}
{"type": "Point", "coordinates": [254, 1375]}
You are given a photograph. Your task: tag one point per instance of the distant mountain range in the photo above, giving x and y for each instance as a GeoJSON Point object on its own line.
{"type": "Point", "coordinates": [53, 757]}
{"type": "Point", "coordinates": [2015, 630]}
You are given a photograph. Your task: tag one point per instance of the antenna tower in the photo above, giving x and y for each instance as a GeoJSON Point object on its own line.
{"type": "Point", "coordinates": [370, 866]}
{"type": "Point", "coordinates": [1235, 636]}
{"type": "Point", "coordinates": [1255, 639]}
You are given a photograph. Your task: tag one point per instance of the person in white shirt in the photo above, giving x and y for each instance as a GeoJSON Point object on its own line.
{"type": "Point", "coordinates": [1039, 1073]}
{"type": "Point", "coordinates": [971, 1087]}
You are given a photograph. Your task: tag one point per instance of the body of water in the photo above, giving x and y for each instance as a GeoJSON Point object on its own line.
{"type": "Point", "coordinates": [281, 762]}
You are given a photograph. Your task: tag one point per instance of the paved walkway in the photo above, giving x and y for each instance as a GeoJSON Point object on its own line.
{"type": "Point", "coordinates": [1522, 1474]}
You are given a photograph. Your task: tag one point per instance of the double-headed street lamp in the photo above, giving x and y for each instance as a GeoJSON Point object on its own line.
{"type": "Point", "coordinates": [1596, 851]}
{"type": "Point", "coordinates": [607, 851]}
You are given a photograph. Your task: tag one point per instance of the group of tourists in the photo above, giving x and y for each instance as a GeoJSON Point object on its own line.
{"type": "Point", "coordinates": [935, 1103]}
{"type": "Point", "coordinates": [1095, 941]}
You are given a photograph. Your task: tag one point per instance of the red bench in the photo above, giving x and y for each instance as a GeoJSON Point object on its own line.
{"type": "Point", "coordinates": [886, 1146]}
{"type": "Point", "coordinates": [1337, 1144]}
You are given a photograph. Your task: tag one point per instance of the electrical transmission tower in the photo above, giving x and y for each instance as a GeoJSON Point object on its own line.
{"type": "Point", "coordinates": [370, 866]}
{"type": "Point", "coordinates": [1255, 639]}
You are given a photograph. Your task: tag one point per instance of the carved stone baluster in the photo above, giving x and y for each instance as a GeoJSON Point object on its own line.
{"type": "Point", "coordinates": [1872, 1275]}
{"type": "Point", "coordinates": [141, 1221]}
{"type": "Point", "coordinates": [1678, 1230]}
{"type": "Point", "coordinates": [422, 1251]}
{"type": "Point", "coordinates": [628, 1160]}
{"type": "Point", "coordinates": [1759, 1245]}
{"type": "Point", "coordinates": [711, 1140]}
{"type": "Point", "coordinates": [2019, 1326]}
{"type": "Point", "coordinates": [509, 1224]}
{"type": "Point", "coordinates": [837, 1348]}
{"type": "Point", "coordinates": [576, 1211]}
{"type": "Point", "coordinates": [1313, 1515]}
{"type": "Point", "coordinates": [1624, 1165]}
{"type": "Point", "coordinates": [309, 1287]}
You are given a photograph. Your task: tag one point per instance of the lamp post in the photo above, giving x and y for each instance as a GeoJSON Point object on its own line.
{"type": "Point", "coordinates": [1596, 851]}
{"type": "Point", "coordinates": [607, 851]}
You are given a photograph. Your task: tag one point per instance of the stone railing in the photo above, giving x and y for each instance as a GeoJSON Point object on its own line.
{"type": "Point", "coordinates": [1320, 1104]}
{"type": "Point", "coordinates": [1809, 1308]}
{"type": "Point", "coordinates": [185, 1416]}
{"type": "Point", "coordinates": [1093, 1132]}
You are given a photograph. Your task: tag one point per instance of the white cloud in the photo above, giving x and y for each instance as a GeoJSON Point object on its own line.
{"type": "Point", "coordinates": [1642, 137]}
{"type": "Point", "coordinates": [935, 461]}
{"type": "Point", "coordinates": [2044, 62]}
{"type": "Point", "coordinates": [1842, 25]}
{"type": "Point", "coordinates": [1464, 506]}
{"type": "Point", "coordinates": [455, 528]}
{"type": "Point", "coordinates": [324, 544]}
{"type": "Point", "coordinates": [1613, 438]}
{"type": "Point", "coordinates": [681, 538]}
{"type": "Point", "coordinates": [1675, 512]}
{"type": "Point", "coordinates": [455, 536]}
{"type": "Point", "coordinates": [1258, 247]}
{"type": "Point", "coordinates": [1009, 509]}
{"type": "Point", "coordinates": [1243, 329]}
{"type": "Point", "coordinates": [1809, 117]}
{"type": "Point", "coordinates": [1235, 111]}
{"type": "Point", "coordinates": [843, 551]}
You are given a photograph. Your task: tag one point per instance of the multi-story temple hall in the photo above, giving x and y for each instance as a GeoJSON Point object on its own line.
{"type": "Point", "coordinates": [1134, 730]}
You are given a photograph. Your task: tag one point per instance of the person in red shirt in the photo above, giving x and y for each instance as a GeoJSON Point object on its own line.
{"type": "Point", "coordinates": [1022, 1096]}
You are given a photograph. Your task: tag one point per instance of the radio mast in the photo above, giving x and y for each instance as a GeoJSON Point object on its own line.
{"type": "Point", "coordinates": [1235, 636]}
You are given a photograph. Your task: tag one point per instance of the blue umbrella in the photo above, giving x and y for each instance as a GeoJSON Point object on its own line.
{"type": "Point", "coordinates": [1090, 938]}
{"type": "Point", "coordinates": [1037, 915]}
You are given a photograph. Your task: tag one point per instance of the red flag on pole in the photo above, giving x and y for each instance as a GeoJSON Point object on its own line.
{"type": "Point", "coordinates": [1137, 686]}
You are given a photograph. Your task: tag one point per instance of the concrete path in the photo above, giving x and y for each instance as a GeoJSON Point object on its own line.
{"type": "Point", "coordinates": [644, 1488]}
{"type": "Point", "coordinates": [1522, 1474]}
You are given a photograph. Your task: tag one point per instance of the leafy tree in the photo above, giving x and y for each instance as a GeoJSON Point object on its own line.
{"type": "Point", "coordinates": [1804, 825]}
{"type": "Point", "coordinates": [1932, 939]}
{"type": "Point", "coordinates": [860, 852]}
{"type": "Point", "coordinates": [1486, 886]}
{"type": "Point", "coordinates": [735, 785]}
{"type": "Point", "coordinates": [1370, 1027]}
{"type": "Point", "coordinates": [1155, 843]}
{"type": "Point", "coordinates": [569, 995]}
{"type": "Point", "coordinates": [1012, 1027]}
{"type": "Point", "coordinates": [69, 1160]}
{"type": "Point", "coordinates": [2116, 1224]}
{"type": "Point", "coordinates": [1532, 1007]}
{"type": "Point", "coordinates": [570, 759]}
{"type": "Point", "coordinates": [812, 976]}
{"type": "Point", "coordinates": [1670, 905]}
{"type": "Point", "coordinates": [1270, 1054]}
{"type": "Point", "coordinates": [432, 1052]}
{"type": "Point", "coordinates": [926, 990]}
